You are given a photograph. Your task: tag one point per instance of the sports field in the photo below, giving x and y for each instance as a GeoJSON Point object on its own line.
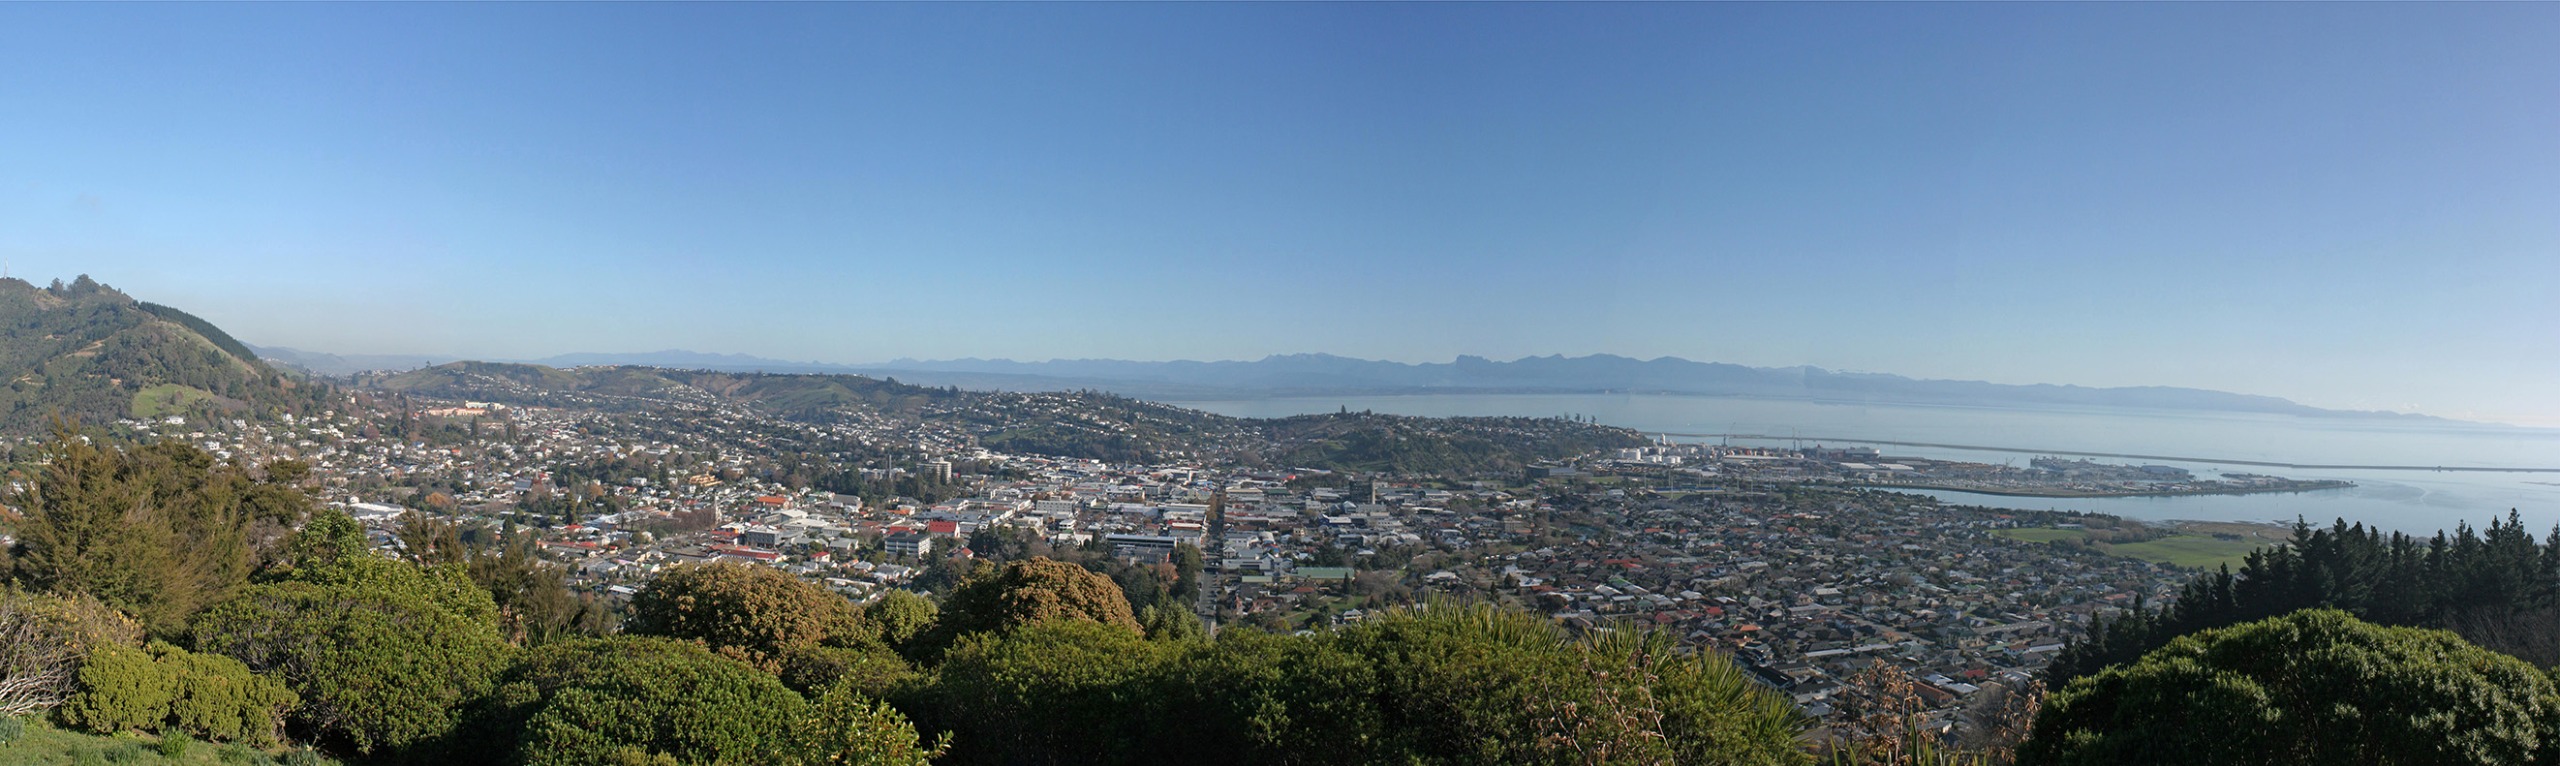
{"type": "Point", "coordinates": [2197, 545]}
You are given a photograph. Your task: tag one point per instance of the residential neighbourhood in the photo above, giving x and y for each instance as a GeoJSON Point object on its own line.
{"type": "Point", "coordinates": [1767, 555]}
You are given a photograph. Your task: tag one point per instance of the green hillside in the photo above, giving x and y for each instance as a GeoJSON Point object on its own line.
{"type": "Point", "coordinates": [85, 350]}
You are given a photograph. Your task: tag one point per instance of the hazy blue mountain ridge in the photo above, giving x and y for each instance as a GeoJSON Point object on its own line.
{"type": "Point", "coordinates": [1322, 374]}
{"type": "Point", "coordinates": [1330, 375]}
{"type": "Point", "coordinates": [341, 365]}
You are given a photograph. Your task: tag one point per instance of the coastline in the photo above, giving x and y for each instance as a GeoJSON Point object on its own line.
{"type": "Point", "coordinates": [2304, 486]}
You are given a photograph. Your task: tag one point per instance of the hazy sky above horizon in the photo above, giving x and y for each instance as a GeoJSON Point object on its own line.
{"type": "Point", "coordinates": [2349, 205]}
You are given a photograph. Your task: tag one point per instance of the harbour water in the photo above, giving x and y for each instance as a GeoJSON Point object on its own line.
{"type": "Point", "coordinates": [2415, 501]}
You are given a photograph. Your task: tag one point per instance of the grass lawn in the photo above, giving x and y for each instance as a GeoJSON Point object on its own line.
{"type": "Point", "coordinates": [2191, 551]}
{"type": "Point", "coordinates": [166, 399]}
{"type": "Point", "coordinates": [2197, 548]}
{"type": "Point", "coordinates": [2262, 534]}
{"type": "Point", "coordinates": [41, 743]}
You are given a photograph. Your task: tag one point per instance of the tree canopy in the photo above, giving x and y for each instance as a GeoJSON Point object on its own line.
{"type": "Point", "coordinates": [2499, 588]}
{"type": "Point", "coordinates": [634, 698]}
{"type": "Point", "coordinates": [160, 531]}
{"type": "Point", "coordinates": [1438, 685]}
{"type": "Point", "coordinates": [582, 701]}
{"type": "Point", "coordinates": [383, 653]}
{"type": "Point", "coordinates": [1028, 592]}
{"type": "Point", "coordinates": [754, 614]}
{"type": "Point", "coordinates": [2316, 686]}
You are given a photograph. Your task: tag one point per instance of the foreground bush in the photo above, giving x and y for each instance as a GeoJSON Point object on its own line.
{"type": "Point", "coordinates": [1438, 685]}
{"type": "Point", "coordinates": [872, 670]}
{"type": "Point", "coordinates": [844, 725]}
{"type": "Point", "coordinates": [377, 669]}
{"type": "Point", "coordinates": [166, 689]}
{"type": "Point", "coordinates": [900, 616]}
{"type": "Point", "coordinates": [755, 614]}
{"type": "Point", "coordinates": [2316, 686]}
{"type": "Point", "coordinates": [584, 701]}
{"type": "Point", "coordinates": [382, 653]}
{"type": "Point", "coordinates": [1484, 685]}
{"type": "Point", "coordinates": [44, 639]}
{"type": "Point", "coordinates": [654, 700]}
{"type": "Point", "coordinates": [1063, 691]}
{"type": "Point", "coordinates": [1022, 593]}
{"type": "Point", "coordinates": [155, 530]}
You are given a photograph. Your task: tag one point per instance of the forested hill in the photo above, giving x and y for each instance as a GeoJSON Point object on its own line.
{"type": "Point", "coordinates": [1071, 424]}
{"type": "Point", "coordinates": [87, 351]}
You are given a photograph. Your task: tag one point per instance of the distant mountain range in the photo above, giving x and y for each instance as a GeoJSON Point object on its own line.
{"type": "Point", "coordinates": [1328, 375]}
{"type": "Point", "coordinates": [347, 364]}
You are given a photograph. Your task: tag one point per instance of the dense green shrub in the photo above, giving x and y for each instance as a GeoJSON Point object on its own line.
{"type": "Point", "coordinates": [1485, 685]}
{"type": "Point", "coordinates": [121, 689]}
{"type": "Point", "coordinates": [11, 728]}
{"type": "Point", "coordinates": [1436, 685]}
{"type": "Point", "coordinates": [1171, 622]}
{"type": "Point", "coordinates": [846, 725]}
{"type": "Point", "coordinates": [2316, 686]}
{"type": "Point", "coordinates": [900, 616]}
{"type": "Point", "coordinates": [1271, 699]}
{"type": "Point", "coordinates": [1061, 691]}
{"type": "Point", "coordinates": [219, 699]}
{"type": "Point", "coordinates": [595, 700]}
{"type": "Point", "coordinates": [1024, 593]}
{"type": "Point", "coordinates": [872, 670]}
{"type": "Point", "coordinates": [755, 614]}
{"type": "Point", "coordinates": [164, 688]}
{"type": "Point", "coordinates": [383, 653]}
{"type": "Point", "coordinates": [378, 668]}
{"type": "Point", "coordinates": [331, 551]}
{"type": "Point", "coordinates": [1705, 708]}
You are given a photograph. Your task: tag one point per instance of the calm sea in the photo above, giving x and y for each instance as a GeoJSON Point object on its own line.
{"type": "Point", "coordinates": [2414, 501]}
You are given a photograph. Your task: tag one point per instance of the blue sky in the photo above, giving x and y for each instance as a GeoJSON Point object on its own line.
{"type": "Point", "coordinates": [2349, 205]}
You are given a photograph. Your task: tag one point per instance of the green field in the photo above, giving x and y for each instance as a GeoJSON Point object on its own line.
{"type": "Point", "coordinates": [2193, 551]}
{"type": "Point", "coordinates": [166, 399]}
{"type": "Point", "coordinates": [2190, 551]}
